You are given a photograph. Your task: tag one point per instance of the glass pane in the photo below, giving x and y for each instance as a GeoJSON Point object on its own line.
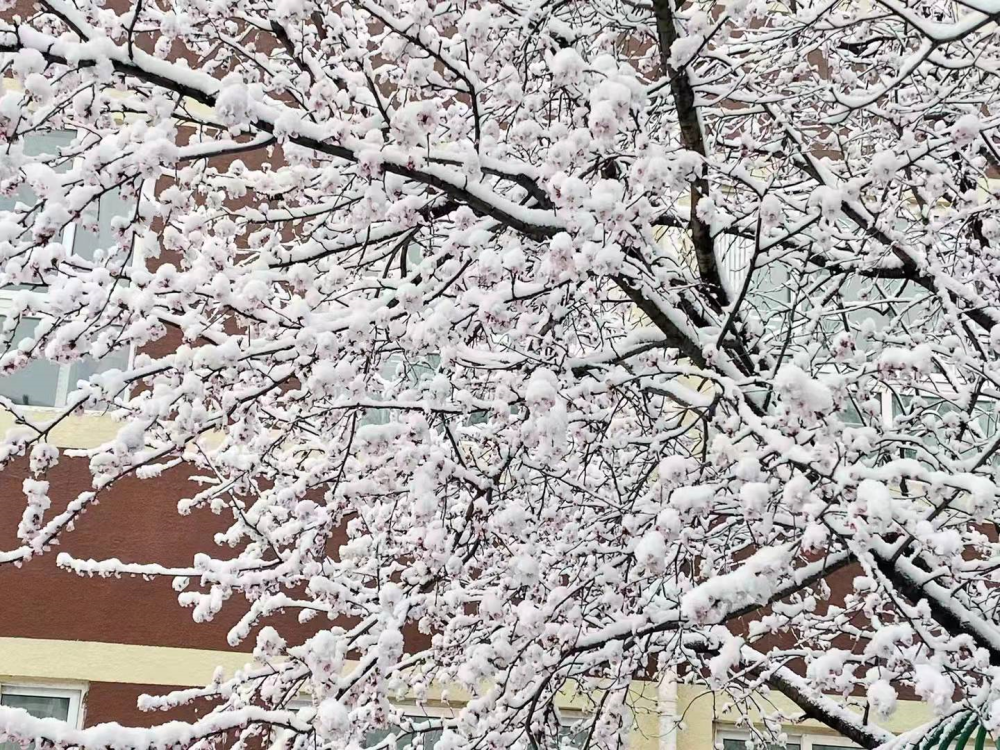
{"type": "Point", "coordinates": [730, 744]}
{"type": "Point", "coordinates": [943, 427]}
{"type": "Point", "coordinates": [84, 368]}
{"type": "Point", "coordinates": [480, 416]}
{"type": "Point", "coordinates": [35, 385]}
{"type": "Point", "coordinates": [49, 144]}
{"type": "Point", "coordinates": [396, 368]}
{"type": "Point", "coordinates": [414, 254]}
{"type": "Point", "coordinates": [569, 736]}
{"type": "Point", "coordinates": [37, 144]}
{"type": "Point", "coordinates": [426, 740]}
{"type": "Point", "coordinates": [87, 240]}
{"type": "Point", "coordinates": [883, 304]}
{"type": "Point", "coordinates": [38, 383]}
{"type": "Point", "coordinates": [850, 415]}
{"type": "Point", "coordinates": [40, 706]}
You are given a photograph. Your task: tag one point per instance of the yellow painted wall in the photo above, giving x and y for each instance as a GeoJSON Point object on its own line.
{"type": "Point", "coordinates": [88, 661]}
{"type": "Point", "coordinates": [77, 431]}
{"type": "Point", "coordinates": [37, 660]}
{"type": "Point", "coordinates": [644, 702]}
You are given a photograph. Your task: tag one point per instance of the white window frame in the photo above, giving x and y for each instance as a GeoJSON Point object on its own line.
{"type": "Point", "coordinates": [75, 693]}
{"type": "Point", "coordinates": [804, 740]}
{"type": "Point", "coordinates": [567, 716]}
{"type": "Point", "coordinates": [416, 711]}
{"type": "Point", "coordinates": [63, 386]}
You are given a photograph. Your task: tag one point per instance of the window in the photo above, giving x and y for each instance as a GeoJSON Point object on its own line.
{"type": "Point", "coordinates": [43, 702]}
{"type": "Point", "coordinates": [47, 145]}
{"type": "Point", "coordinates": [427, 733]}
{"type": "Point", "coordinates": [425, 730]}
{"type": "Point", "coordinates": [734, 744]}
{"type": "Point", "coordinates": [397, 368]}
{"type": "Point", "coordinates": [413, 373]}
{"type": "Point", "coordinates": [282, 737]}
{"type": "Point", "coordinates": [45, 383]}
{"type": "Point", "coordinates": [430, 732]}
{"type": "Point", "coordinates": [569, 736]}
{"type": "Point", "coordinates": [942, 425]}
{"type": "Point", "coordinates": [96, 231]}
{"type": "Point", "coordinates": [41, 382]}
{"type": "Point", "coordinates": [738, 741]}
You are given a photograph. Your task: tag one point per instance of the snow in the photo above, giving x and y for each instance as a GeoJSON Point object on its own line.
{"type": "Point", "coordinates": [828, 200]}
{"type": "Point", "coordinates": [907, 361]}
{"type": "Point", "coordinates": [232, 103]}
{"type": "Point", "coordinates": [651, 551]}
{"type": "Point", "coordinates": [877, 500]}
{"type": "Point", "coordinates": [752, 582]}
{"type": "Point", "coordinates": [966, 129]}
{"type": "Point", "coordinates": [567, 66]}
{"type": "Point", "coordinates": [802, 392]}
{"type": "Point", "coordinates": [417, 296]}
{"type": "Point", "coordinates": [884, 166]}
{"type": "Point", "coordinates": [933, 687]}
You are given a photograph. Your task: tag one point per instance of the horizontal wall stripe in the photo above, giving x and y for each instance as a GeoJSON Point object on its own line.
{"type": "Point", "coordinates": [91, 661]}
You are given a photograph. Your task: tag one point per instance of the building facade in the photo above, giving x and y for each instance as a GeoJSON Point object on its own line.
{"type": "Point", "coordinates": [84, 649]}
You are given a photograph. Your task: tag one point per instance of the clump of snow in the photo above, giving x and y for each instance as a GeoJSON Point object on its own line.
{"type": "Point", "coordinates": [828, 200]}
{"type": "Point", "coordinates": [826, 670]}
{"type": "Point", "coordinates": [884, 165]}
{"type": "Point", "coordinates": [877, 501]}
{"type": "Point", "coordinates": [728, 659]}
{"type": "Point", "coordinates": [28, 62]}
{"type": "Point", "coordinates": [541, 391]}
{"type": "Point", "coordinates": [966, 130]}
{"type": "Point", "coordinates": [232, 103]}
{"type": "Point", "coordinates": [567, 67]}
{"type": "Point", "coordinates": [771, 210]}
{"type": "Point", "coordinates": [882, 697]}
{"type": "Point", "coordinates": [651, 551]}
{"type": "Point", "coordinates": [752, 583]}
{"type": "Point", "coordinates": [801, 392]}
{"type": "Point", "coordinates": [906, 362]}
{"type": "Point", "coordinates": [684, 49]}
{"type": "Point", "coordinates": [333, 718]}
{"type": "Point", "coordinates": [934, 687]}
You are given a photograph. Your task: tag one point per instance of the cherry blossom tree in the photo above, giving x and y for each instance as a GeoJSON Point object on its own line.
{"type": "Point", "coordinates": [594, 341]}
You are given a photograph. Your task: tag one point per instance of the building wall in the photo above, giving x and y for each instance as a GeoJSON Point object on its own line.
{"type": "Point", "coordinates": [114, 675]}
{"type": "Point", "coordinates": [136, 521]}
{"type": "Point", "coordinates": [120, 638]}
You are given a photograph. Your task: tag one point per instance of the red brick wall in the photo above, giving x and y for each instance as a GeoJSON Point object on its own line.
{"type": "Point", "coordinates": [136, 522]}
{"type": "Point", "coordinates": [109, 701]}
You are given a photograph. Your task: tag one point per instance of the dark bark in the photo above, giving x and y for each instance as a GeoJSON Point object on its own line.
{"type": "Point", "coordinates": [693, 140]}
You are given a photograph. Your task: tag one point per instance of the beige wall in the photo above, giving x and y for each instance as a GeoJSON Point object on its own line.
{"type": "Point", "coordinates": [87, 661]}
{"type": "Point", "coordinates": [37, 660]}
{"type": "Point", "coordinates": [700, 713]}
{"type": "Point", "coordinates": [77, 431]}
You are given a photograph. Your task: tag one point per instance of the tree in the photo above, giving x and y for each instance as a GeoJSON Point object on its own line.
{"type": "Point", "coordinates": [594, 339]}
